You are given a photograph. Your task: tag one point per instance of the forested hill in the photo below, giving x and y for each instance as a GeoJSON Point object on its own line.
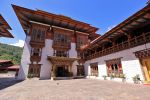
{"type": "Point", "coordinates": [8, 52]}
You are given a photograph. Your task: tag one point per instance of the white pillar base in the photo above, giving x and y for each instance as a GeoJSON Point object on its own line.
{"type": "Point", "coordinates": [52, 78]}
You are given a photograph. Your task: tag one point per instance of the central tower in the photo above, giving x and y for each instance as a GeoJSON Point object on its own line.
{"type": "Point", "coordinates": [53, 44]}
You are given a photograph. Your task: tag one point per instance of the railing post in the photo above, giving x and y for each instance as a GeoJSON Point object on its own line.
{"type": "Point", "coordinates": [129, 40]}
{"type": "Point", "coordinates": [135, 40]}
{"type": "Point", "coordinates": [144, 38]}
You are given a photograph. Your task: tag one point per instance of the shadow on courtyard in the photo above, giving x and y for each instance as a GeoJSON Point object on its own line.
{"type": "Point", "coordinates": [7, 82]}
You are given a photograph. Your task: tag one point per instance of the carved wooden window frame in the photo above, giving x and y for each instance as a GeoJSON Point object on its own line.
{"type": "Point", "coordinates": [114, 67]}
{"type": "Point", "coordinates": [94, 69]}
{"type": "Point", "coordinates": [38, 32]}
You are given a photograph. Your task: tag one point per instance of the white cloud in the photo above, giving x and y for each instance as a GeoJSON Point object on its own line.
{"type": "Point", "coordinates": [110, 27]}
{"type": "Point", "coordinates": [19, 43]}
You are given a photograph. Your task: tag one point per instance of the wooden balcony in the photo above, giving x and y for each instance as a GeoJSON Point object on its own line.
{"type": "Point", "coordinates": [139, 40]}
{"type": "Point", "coordinates": [61, 60]}
{"type": "Point", "coordinates": [35, 58]}
{"type": "Point", "coordinates": [37, 43]}
{"type": "Point", "coordinates": [61, 45]}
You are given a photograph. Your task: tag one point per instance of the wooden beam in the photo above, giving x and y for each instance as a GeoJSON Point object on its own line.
{"type": "Point", "coordinates": [147, 16]}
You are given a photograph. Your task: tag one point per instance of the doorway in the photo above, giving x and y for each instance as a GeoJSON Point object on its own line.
{"type": "Point", "coordinates": [62, 71]}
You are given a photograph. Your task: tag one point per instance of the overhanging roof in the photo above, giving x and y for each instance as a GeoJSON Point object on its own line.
{"type": "Point", "coordinates": [26, 15]}
{"type": "Point", "coordinates": [4, 27]}
{"type": "Point", "coordinates": [137, 20]}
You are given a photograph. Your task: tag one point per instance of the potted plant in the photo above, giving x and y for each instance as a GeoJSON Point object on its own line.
{"type": "Point", "coordinates": [105, 77]}
{"type": "Point", "coordinates": [30, 75]}
{"type": "Point", "coordinates": [123, 77]}
{"type": "Point", "coordinates": [136, 79]}
{"type": "Point", "coordinates": [112, 76]}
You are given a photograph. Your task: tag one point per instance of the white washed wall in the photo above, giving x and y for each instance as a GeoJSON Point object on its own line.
{"type": "Point", "coordinates": [25, 60]}
{"type": "Point", "coordinates": [72, 51]}
{"type": "Point", "coordinates": [73, 54]}
{"type": "Point", "coordinates": [46, 64]}
{"type": "Point", "coordinates": [130, 64]}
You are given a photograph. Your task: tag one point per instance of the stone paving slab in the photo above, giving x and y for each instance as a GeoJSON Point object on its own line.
{"type": "Point", "coordinates": [76, 89]}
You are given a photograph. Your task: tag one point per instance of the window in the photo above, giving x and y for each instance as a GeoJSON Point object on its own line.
{"type": "Point", "coordinates": [33, 37]}
{"type": "Point", "coordinates": [61, 38]}
{"type": "Point", "coordinates": [114, 67]}
{"type": "Point", "coordinates": [38, 35]}
{"type": "Point", "coordinates": [43, 35]}
{"type": "Point", "coordinates": [80, 42]}
{"type": "Point", "coordinates": [35, 51]}
{"type": "Point", "coordinates": [94, 69]}
{"type": "Point", "coordinates": [61, 53]}
{"type": "Point", "coordinates": [80, 70]}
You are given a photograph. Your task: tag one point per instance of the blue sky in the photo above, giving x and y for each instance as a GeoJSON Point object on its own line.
{"type": "Point", "coordinates": [103, 14]}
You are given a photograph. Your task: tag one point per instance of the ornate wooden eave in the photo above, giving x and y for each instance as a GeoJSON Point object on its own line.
{"type": "Point", "coordinates": [4, 27]}
{"type": "Point", "coordinates": [143, 53]}
{"type": "Point", "coordinates": [61, 60]}
{"type": "Point", "coordinates": [25, 15]}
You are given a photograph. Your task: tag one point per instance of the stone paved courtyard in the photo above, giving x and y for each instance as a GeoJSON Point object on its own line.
{"type": "Point", "coordinates": [77, 89]}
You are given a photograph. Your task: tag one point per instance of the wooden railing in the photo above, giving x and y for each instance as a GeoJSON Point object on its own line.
{"type": "Point", "coordinates": [61, 45]}
{"type": "Point", "coordinates": [39, 43]}
{"type": "Point", "coordinates": [139, 40]}
{"type": "Point", "coordinates": [61, 55]}
{"type": "Point", "coordinates": [35, 58]}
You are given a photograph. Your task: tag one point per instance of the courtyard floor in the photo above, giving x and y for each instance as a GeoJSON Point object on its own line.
{"type": "Point", "coordinates": [77, 89]}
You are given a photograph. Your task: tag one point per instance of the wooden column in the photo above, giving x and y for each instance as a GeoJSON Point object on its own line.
{"type": "Point", "coordinates": [144, 38]}
{"type": "Point", "coordinates": [129, 39]}
{"type": "Point", "coordinates": [113, 44]}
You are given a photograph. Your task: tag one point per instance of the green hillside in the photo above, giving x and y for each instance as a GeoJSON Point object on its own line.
{"type": "Point", "coordinates": [8, 52]}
